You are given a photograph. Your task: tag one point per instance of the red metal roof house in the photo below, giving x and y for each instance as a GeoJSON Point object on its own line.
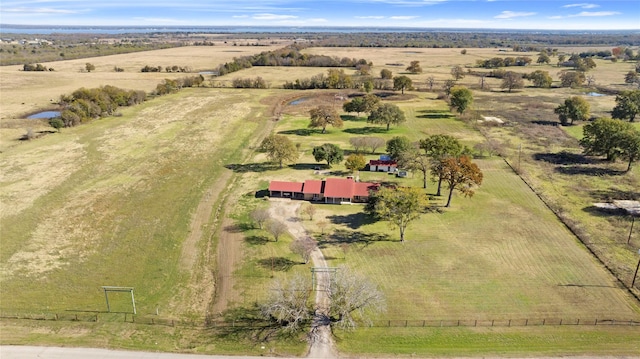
{"type": "Point", "coordinates": [330, 190]}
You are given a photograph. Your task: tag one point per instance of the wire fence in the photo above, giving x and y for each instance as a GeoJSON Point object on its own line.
{"type": "Point", "coordinates": [394, 323]}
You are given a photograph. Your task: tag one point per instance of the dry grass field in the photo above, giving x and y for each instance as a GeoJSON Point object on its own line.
{"type": "Point", "coordinates": [158, 199]}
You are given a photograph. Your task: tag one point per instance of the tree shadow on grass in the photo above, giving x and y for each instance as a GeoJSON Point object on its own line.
{"type": "Point", "coordinates": [279, 264]}
{"type": "Point", "coordinates": [353, 118]}
{"type": "Point", "coordinates": [366, 130]}
{"type": "Point", "coordinates": [257, 240]}
{"type": "Point", "coordinates": [435, 114]}
{"type": "Point", "coordinates": [612, 194]}
{"type": "Point", "coordinates": [250, 167]}
{"type": "Point", "coordinates": [604, 212]}
{"type": "Point", "coordinates": [246, 324]}
{"type": "Point", "coordinates": [341, 236]}
{"type": "Point", "coordinates": [301, 132]}
{"type": "Point", "coordinates": [353, 221]}
{"type": "Point", "coordinates": [565, 158]}
{"type": "Point", "coordinates": [589, 171]}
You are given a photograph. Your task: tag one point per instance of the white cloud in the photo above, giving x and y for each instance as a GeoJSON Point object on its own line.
{"type": "Point", "coordinates": [512, 14]}
{"type": "Point", "coordinates": [595, 13]}
{"type": "Point", "coordinates": [274, 17]}
{"type": "Point", "coordinates": [584, 6]}
{"type": "Point", "coordinates": [370, 17]}
{"type": "Point", "coordinates": [403, 17]}
{"type": "Point", "coordinates": [41, 10]}
{"type": "Point", "coordinates": [240, 16]}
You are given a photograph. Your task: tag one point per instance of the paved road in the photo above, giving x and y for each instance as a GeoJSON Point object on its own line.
{"type": "Point", "coordinates": [29, 352]}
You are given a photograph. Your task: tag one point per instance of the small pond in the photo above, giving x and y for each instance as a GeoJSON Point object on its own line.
{"type": "Point", "coordinates": [595, 94]}
{"type": "Point", "coordinates": [298, 101]}
{"type": "Point", "coordinates": [44, 114]}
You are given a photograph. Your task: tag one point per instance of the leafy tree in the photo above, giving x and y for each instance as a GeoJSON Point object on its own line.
{"type": "Point", "coordinates": [259, 216]}
{"type": "Point", "coordinates": [356, 105]}
{"type": "Point", "coordinates": [630, 145]}
{"type": "Point", "coordinates": [512, 80]}
{"type": "Point", "coordinates": [386, 74]}
{"type": "Point", "coordinates": [397, 146]}
{"type": "Point", "coordinates": [328, 152]}
{"type": "Point", "coordinates": [400, 206]}
{"type": "Point", "coordinates": [439, 147]}
{"type": "Point", "coordinates": [279, 149]}
{"type": "Point", "coordinates": [402, 83]}
{"type": "Point", "coordinates": [387, 114]}
{"type": "Point", "coordinates": [574, 108]}
{"type": "Point", "coordinates": [457, 72]}
{"type": "Point", "coordinates": [610, 138]}
{"type": "Point", "coordinates": [324, 115]}
{"type": "Point", "coordinates": [540, 78]}
{"type": "Point", "coordinates": [543, 58]}
{"type": "Point", "coordinates": [303, 247]}
{"type": "Point", "coordinates": [414, 67]}
{"type": "Point", "coordinates": [370, 102]}
{"type": "Point", "coordinates": [56, 122]}
{"type": "Point", "coordinates": [89, 67]}
{"type": "Point", "coordinates": [355, 162]}
{"type": "Point", "coordinates": [368, 86]}
{"type": "Point", "coordinates": [627, 105]}
{"type": "Point", "coordinates": [632, 77]}
{"type": "Point", "coordinates": [461, 98]}
{"type": "Point", "coordinates": [461, 174]}
{"type": "Point", "coordinates": [572, 78]}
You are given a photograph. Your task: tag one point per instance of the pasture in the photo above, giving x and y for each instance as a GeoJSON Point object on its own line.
{"type": "Point", "coordinates": [145, 200]}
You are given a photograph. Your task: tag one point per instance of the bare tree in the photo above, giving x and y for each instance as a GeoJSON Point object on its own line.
{"type": "Point", "coordinates": [303, 247]}
{"type": "Point", "coordinates": [309, 210]}
{"type": "Point", "coordinates": [287, 304]}
{"type": "Point", "coordinates": [259, 216]}
{"type": "Point", "coordinates": [322, 225]}
{"type": "Point", "coordinates": [276, 228]}
{"type": "Point", "coordinates": [431, 81]}
{"type": "Point", "coordinates": [373, 143]}
{"type": "Point", "coordinates": [352, 296]}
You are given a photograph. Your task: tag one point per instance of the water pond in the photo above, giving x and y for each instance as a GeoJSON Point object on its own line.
{"type": "Point", "coordinates": [44, 114]}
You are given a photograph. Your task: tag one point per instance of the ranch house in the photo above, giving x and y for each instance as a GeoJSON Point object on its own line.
{"type": "Point", "coordinates": [383, 166]}
{"type": "Point", "coordinates": [330, 190]}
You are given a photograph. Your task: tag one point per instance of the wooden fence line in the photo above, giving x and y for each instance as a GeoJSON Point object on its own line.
{"type": "Point", "coordinates": [389, 323]}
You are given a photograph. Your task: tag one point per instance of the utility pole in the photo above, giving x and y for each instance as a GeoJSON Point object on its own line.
{"type": "Point", "coordinates": [633, 220]}
{"type": "Point", "coordinates": [636, 273]}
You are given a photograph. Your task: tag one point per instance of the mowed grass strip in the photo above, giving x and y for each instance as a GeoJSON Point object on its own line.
{"type": "Point", "coordinates": [119, 218]}
{"type": "Point", "coordinates": [498, 255]}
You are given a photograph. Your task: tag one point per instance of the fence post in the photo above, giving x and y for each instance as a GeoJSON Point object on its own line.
{"type": "Point", "coordinates": [509, 323]}
{"type": "Point", "coordinates": [526, 322]}
{"type": "Point", "coordinates": [56, 316]}
{"type": "Point", "coordinates": [406, 323]}
{"type": "Point", "coordinates": [578, 322]}
{"type": "Point", "coordinates": [544, 321]}
{"type": "Point", "coordinates": [492, 320]}
{"type": "Point", "coordinates": [96, 317]}
{"type": "Point", "coordinates": [560, 321]}
{"type": "Point", "coordinates": [423, 322]}
{"type": "Point", "coordinates": [475, 324]}
{"type": "Point", "coordinates": [152, 321]}
{"type": "Point", "coordinates": [596, 322]}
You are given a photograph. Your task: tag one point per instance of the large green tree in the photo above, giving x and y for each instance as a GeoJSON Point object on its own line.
{"type": "Point", "coordinates": [611, 138]}
{"type": "Point", "coordinates": [460, 99]}
{"type": "Point", "coordinates": [398, 145]}
{"type": "Point", "coordinates": [627, 105]}
{"type": "Point", "coordinates": [400, 206]}
{"type": "Point", "coordinates": [387, 114]}
{"type": "Point", "coordinates": [512, 80]}
{"type": "Point", "coordinates": [328, 152]}
{"type": "Point", "coordinates": [279, 149]}
{"type": "Point", "coordinates": [402, 83]}
{"type": "Point", "coordinates": [540, 78]}
{"type": "Point", "coordinates": [461, 174]}
{"type": "Point", "coordinates": [439, 147]}
{"type": "Point", "coordinates": [324, 115]}
{"type": "Point", "coordinates": [574, 108]}
{"type": "Point", "coordinates": [414, 67]}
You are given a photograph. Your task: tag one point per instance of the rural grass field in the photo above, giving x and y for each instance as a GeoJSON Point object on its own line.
{"type": "Point", "coordinates": [145, 200]}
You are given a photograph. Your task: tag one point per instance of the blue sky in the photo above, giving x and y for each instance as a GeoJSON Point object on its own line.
{"type": "Point", "coordinates": [495, 14]}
